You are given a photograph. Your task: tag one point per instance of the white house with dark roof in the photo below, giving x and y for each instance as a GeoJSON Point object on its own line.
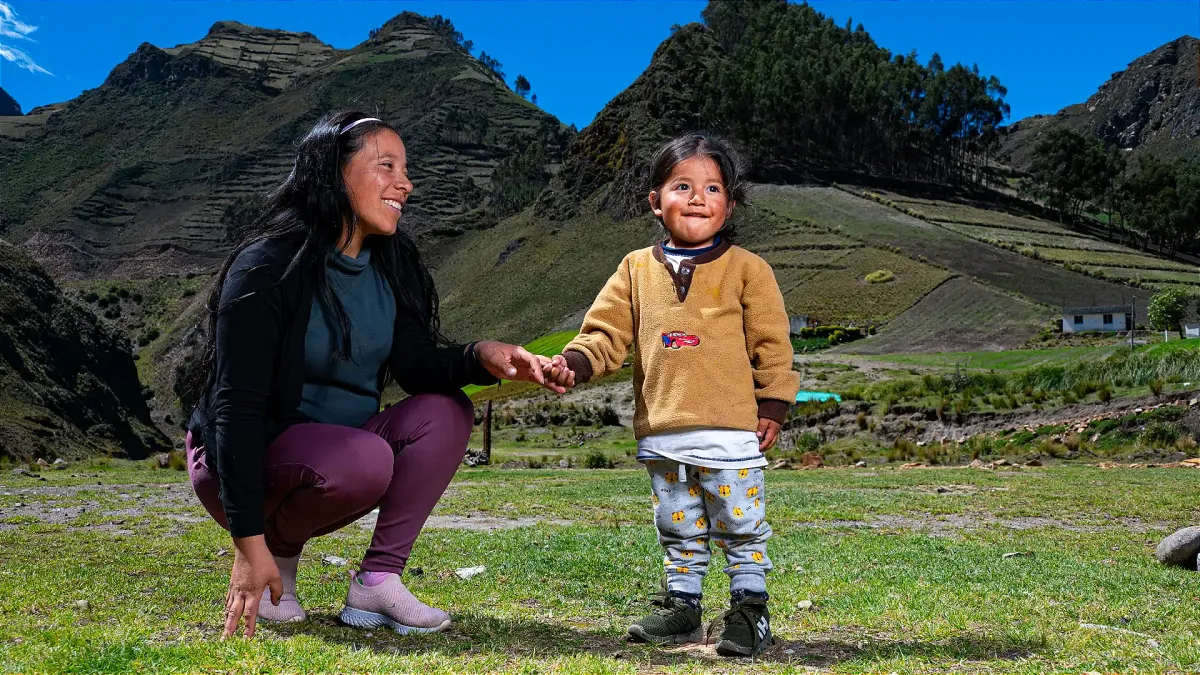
{"type": "Point", "coordinates": [1096, 319]}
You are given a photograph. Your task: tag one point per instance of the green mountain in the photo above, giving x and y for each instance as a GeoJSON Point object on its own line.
{"type": "Point", "coordinates": [68, 386]}
{"type": "Point", "coordinates": [146, 175]}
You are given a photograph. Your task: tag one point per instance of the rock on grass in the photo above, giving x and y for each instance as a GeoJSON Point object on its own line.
{"type": "Point", "coordinates": [1180, 549]}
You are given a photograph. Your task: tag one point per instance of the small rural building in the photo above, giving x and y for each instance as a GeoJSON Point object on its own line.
{"type": "Point", "coordinates": [797, 322]}
{"type": "Point", "coordinates": [1191, 330]}
{"type": "Point", "coordinates": [1096, 319]}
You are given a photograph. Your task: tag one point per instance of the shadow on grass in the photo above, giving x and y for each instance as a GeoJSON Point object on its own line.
{"type": "Point", "coordinates": [478, 635]}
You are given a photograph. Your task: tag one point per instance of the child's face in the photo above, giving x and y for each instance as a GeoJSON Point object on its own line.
{"type": "Point", "coordinates": [692, 203]}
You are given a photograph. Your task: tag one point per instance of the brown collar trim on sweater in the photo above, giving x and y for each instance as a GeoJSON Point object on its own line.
{"type": "Point", "coordinates": [682, 280]}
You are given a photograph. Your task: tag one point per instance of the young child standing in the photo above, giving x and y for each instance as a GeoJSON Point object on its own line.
{"type": "Point", "coordinates": [713, 382]}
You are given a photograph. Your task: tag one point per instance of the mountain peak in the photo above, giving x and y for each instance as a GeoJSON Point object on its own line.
{"type": "Point", "coordinates": [276, 56]}
{"type": "Point", "coordinates": [224, 29]}
{"type": "Point", "coordinates": [413, 36]}
{"type": "Point", "coordinates": [1151, 106]}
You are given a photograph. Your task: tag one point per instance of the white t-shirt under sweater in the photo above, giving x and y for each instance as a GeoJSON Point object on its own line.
{"type": "Point", "coordinates": [709, 448]}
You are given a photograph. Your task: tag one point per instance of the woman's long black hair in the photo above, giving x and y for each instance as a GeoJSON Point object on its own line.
{"type": "Point", "coordinates": [311, 208]}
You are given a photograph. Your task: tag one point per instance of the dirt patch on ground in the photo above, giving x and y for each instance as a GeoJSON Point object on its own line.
{"type": "Point", "coordinates": [63, 505]}
{"type": "Point", "coordinates": [476, 522]}
{"type": "Point", "coordinates": [127, 504]}
{"type": "Point", "coordinates": [951, 525]}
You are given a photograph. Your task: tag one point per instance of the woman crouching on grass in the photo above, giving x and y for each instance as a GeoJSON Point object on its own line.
{"type": "Point", "coordinates": [322, 303]}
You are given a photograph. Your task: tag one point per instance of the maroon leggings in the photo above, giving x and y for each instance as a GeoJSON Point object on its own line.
{"type": "Point", "coordinates": [321, 477]}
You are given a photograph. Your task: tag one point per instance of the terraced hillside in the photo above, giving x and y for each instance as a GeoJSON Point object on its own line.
{"type": "Point", "coordinates": [146, 175]}
{"type": "Point", "coordinates": [1045, 240]}
{"type": "Point", "coordinates": [823, 273]}
{"type": "Point", "coordinates": [959, 315]}
{"type": "Point", "coordinates": [1007, 270]}
{"type": "Point", "coordinates": [528, 276]}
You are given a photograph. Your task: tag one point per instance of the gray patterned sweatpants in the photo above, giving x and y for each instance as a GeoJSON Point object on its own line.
{"type": "Point", "coordinates": [724, 505]}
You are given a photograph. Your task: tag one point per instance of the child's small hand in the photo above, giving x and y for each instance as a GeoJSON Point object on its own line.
{"type": "Point", "coordinates": [768, 432]}
{"type": "Point", "coordinates": [557, 371]}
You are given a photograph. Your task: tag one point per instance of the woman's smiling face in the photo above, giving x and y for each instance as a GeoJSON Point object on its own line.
{"type": "Point", "coordinates": [376, 179]}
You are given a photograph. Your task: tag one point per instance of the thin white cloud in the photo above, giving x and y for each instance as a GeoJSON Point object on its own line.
{"type": "Point", "coordinates": [12, 27]}
{"type": "Point", "coordinates": [21, 59]}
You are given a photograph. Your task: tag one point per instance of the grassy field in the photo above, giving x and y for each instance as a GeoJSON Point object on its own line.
{"type": "Point", "coordinates": [907, 572]}
{"type": "Point", "coordinates": [1153, 276]}
{"type": "Point", "coordinates": [544, 447]}
{"type": "Point", "coordinates": [942, 211]}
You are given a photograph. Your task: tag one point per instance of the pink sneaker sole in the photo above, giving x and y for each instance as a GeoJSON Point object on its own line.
{"type": "Point", "coordinates": [363, 619]}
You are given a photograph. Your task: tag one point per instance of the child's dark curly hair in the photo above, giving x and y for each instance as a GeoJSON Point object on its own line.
{"type": "Point", "coordinates": [702, 144]}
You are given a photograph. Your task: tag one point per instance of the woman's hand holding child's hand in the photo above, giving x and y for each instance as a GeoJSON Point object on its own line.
{"type": "Point", "coordinates": [768, 432]}
{"type": "Point", "coordinates": [557, 372]}
{"type": "Point", "coordinates": [513, 362]}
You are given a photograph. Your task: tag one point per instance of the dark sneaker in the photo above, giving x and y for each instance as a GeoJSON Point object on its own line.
{"type": "Point", "coordinates": [673, 621]}
{"type": "Point", "coordinates": [746, 627]}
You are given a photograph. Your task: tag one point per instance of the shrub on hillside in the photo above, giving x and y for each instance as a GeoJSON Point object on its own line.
{"type": "Point", "coordinates": [980, 445]}
{"type": "Point", "coordinates": [804, 345]}
{"type": "Point", "coordinates": [880, 277]}
{"type": "Point", "coordinates": [597, 460]}
{"type": "Point", "coordinates": [807, 442]}
{"type": "Point", "coordinates": [1160, 435]}
{"type": "Point", "coordinates": [902, 449]}
{"type": "Point", "coordinates": [1186, 445]}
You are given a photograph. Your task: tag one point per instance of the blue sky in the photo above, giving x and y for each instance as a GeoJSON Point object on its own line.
{"type": "Point", "coordinates": [578, 55]}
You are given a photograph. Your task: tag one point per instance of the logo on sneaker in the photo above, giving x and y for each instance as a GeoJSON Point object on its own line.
{"type": "Point", "coordinates": [763, 627]}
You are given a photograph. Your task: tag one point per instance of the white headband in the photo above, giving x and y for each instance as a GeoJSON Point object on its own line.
{"type": "Point", "coordinates": [355, 123]}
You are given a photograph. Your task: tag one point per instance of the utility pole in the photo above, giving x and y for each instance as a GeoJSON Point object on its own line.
{"type": "Point", "coordinates": [487, 432]}
{"type": "Point", "coordinates": [1132, 320]}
